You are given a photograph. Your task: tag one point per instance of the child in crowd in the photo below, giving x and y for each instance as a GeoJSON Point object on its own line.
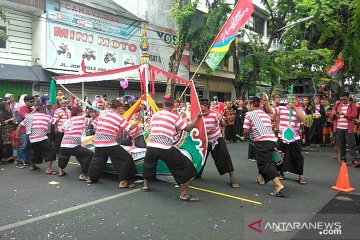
{"type": "Point", "coordinates": [15, 145]}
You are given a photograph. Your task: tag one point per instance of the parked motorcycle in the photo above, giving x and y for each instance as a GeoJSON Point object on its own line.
{"type": "Point", "coordinates": [109, 57]}
{"type": "Point", "coordinates": [64, 49]}
{"type": "Point", "coordinates": [89, 53]}
{"type": "Point", "coordinates": [129, 61]}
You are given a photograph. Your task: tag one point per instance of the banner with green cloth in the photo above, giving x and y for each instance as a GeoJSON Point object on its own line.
{"type": "Point", "coordinates": [52, 92]}
{"type": "Point", "coordinates": [289, 134]}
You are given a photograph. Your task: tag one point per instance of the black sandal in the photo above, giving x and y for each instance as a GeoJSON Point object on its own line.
{"type": "Point", "coordinates": [302, 180]}
{"type": "Point", "coordinates": [128, 185]}
{"type": "Point", "coordinates": [276, 194]}
{"type": "Point", "coordinates": [33, 167]}
{"type": "Point", "coordinates": [190, 198]}
{"type": "Point", "coordinates": [61, 175]}
{"type": "Point", "coordinates": [259, 182]}
{"type": "Point", "coordinates": [144, 189]}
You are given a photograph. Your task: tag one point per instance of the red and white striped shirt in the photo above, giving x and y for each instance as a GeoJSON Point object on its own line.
{"type": "Point", "coordinates": [342, 122]}
{"type": "Point", "coordinates": [61, 115]}
{"type": "Point", "coordinates": [212, 125]}
{"type": "Point", "coordinates": [23, 110]}
{"type": "Point", "coordinates": [283, 113]}
{"type": "Point", "coordinates": [39, 126]}
{"type": "Point", "coordinates": [164, 125]}
{"type": "Point", "coordinates": [109, 125]}
{"type": "Point", "coordinates": [73, 129]}
{"type": "Point", "coordinates": [258, 131]}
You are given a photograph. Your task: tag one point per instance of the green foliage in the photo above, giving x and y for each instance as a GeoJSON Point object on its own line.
{"type": "Point", "coordinates": [4, 19]}
{"type": "Point", "coordinates": [351, 50]}
{"type": "Point", "coordinates": [256, 67]}
{"type": "Point", "coordinates": [303, 62]}
{"type": "Point", "coordinates": [310, 47]}
{"type": "Point", "coordinates": [183, 12]}
{"type": "Point", "coordinates": [328, 27]}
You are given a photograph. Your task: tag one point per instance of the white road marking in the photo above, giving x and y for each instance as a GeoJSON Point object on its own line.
{"type": "Point", "coordinates": [66, 210]}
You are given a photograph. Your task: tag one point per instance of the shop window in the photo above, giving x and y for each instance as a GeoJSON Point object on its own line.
{"type": "Point", "coordinates": [256, 24]}
{"type": "Point", "coordinates": [250, 24]}
{"type": "Point", "coordinates": [3, 44]}
{"type": "Point", "coordinates": [259, 25]}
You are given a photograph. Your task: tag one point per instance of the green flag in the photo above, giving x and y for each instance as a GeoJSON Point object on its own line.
{"type": "Point", "coordinates": [52, 92]}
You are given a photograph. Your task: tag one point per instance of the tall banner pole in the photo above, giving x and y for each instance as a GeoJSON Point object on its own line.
{"type": "Point", "coordinates": [147, 77]}
{"type": "Point", "coordinates": [83, 93]}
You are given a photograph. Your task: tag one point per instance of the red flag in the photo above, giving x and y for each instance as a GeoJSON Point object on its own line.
{"type": "Point", "coordinates": [72, 101]}
{"type": "Point", "coordinates": [200, 125]}
{"type": "Point", "coordinates": [339, 64]}
{"type": "Point", "coordinates": [83, 67]}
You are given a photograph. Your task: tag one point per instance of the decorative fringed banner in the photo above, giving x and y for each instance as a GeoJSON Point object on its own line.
{"type": "Point", "coordinates": [192, 144]}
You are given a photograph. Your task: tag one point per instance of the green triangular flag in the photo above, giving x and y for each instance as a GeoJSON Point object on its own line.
{"type": "Point", "coordinates": [289, 134]}
{"type": "Point", "coordinates": [52, 92]}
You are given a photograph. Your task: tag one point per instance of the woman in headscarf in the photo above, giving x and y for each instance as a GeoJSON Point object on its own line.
{"type": "Point", "coordinates": [7, 126]}
{"type": "Point", "coordinates": [21, 101]}
{"type": "Point", "coordinates": [11, 101]}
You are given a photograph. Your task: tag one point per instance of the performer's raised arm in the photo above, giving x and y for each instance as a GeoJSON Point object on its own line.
{"type": "Point", "coordinates": [192, 124]}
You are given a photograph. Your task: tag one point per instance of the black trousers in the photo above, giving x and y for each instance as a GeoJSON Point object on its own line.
{"type": "Point", "coordinates": [122, 160]}
{"type": "Point", "coordinates": [344, 137]}
{"type": "Point", "coordinates": [238, 128]}
{"type": "Point", "coordinates": [316, 131]}
{"type": "Point", "coordinates": [307, 136]}
{"type": "Point", "coordinates": [58, 138]}
{"type": "Point", "coordinates": [221, 157]}
{"type": "Point", "coordinates": [251, 152]}
{"type": "Point", "coordinates": [264, 161]}
{"type": "Point", "coordinates": [83, 156]}
{"type": "Point", "coordinates": [230, 133]}
{"type": "Point", "coordinates": [179, 165]}
{"type": "Point", "coordinates": [293, 159]}
{"type": "Point", "coordinates": [42, 150]}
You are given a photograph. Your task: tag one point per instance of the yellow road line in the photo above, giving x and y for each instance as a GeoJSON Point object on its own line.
{"type": "Point", "coordinates": [74, 163]}
{"type": "Point", "coordinates": [226, 195]}
{"type": "Point", "coordinates": [210, 191]}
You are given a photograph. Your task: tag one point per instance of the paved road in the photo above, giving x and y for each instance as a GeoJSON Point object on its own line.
{"type": "Point", "coordinates": [31, 208]}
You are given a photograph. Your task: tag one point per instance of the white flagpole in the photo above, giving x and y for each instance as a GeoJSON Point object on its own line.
{"type": "Point", "coordinates": [83, 94]}
{"type": "Point", "coordinates": [147, 77]}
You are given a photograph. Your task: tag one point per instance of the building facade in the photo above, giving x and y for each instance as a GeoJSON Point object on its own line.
{"type": "Point", "coordinates": [20, 70]}
{"type": "Point", "coordinates": [49, 38]}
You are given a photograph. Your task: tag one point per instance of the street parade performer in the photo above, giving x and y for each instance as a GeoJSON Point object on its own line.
{"type": "Point", "coordinates": [71, 143]}
{"type": "Point", "coordinates": [293, 159]}
{"type": "Point", "coordinates": [217, 145]}
{"type": "Point", "coordinates": [36, 125]}
{"type": "Point", "coordinates": [109, 126]}
{"type": "Point", "coordinates": [259, 124]}
{"type": "Point", "coordinates": [164, 125]}
{"type": "Point", "coordinates": [61, 114]}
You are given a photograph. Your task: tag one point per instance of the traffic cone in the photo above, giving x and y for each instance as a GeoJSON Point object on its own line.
{"type": "Point", "coordinates": [343, 183]}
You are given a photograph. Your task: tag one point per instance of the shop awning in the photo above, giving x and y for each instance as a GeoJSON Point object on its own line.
{"type": "Point", "coordinates": [23, 73]}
